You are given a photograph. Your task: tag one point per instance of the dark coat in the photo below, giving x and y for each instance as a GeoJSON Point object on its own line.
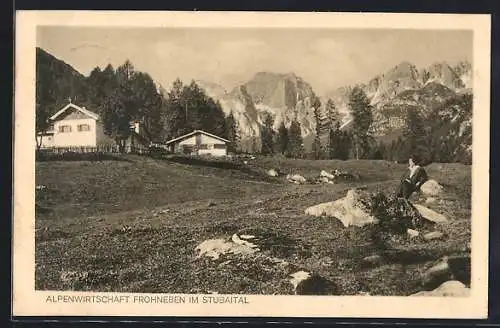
{"type": "Point", "coordinates": [419, 178]}
{"type": "Point", "coordinates": [411, 184]}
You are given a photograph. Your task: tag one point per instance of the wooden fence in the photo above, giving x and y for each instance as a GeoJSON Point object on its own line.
{"type": "Point", "coordinates": [108, 149]}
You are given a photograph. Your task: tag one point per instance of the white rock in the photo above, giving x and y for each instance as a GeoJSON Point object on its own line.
{"type": "Point", "coordinates": [215, 247]}
{"type": "Point", "coordinates": [298, 277]}
{"type": "Point", "coordinates": [237, 240]}
{"type": "Point", "coordinates": [431, 188]}
{"type": "Point", "coordinates": [438, 269]}
{"type": "Point", "coordinates": [327, 175]}
{"type": "Point", "coordinates": [430, 214]}
{"type": "Point", "coordinates": [272, 173]}
{"type": "Point", "coordinates": [452, 288]}
{"type": "Point", "coordinates": [247, 236]}
{"type": "Point", "coordinates": [296, 178]}
{"type": "Point", "coordinates": [347, 210]}
{"type": "Point", "coordinates": [433, 235]}
{"type": "Point", "coordinates": [413, 233]}
{"type": "Point", "coordinates": [323, 179]}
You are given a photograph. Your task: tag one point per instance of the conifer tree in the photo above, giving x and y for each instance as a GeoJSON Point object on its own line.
{"type": "Point", "coordinates": [232, 132]}
{"type": "Point", "coordinates": [345, 145]}
{"type": "Point", "coordinates": [361, 111]}
{"type": "Point", "coordinates": [316, 146]}
{"type": "Point", "coordinates": [295, 141]}
{"type": "Point", "coordinates": [335, 142]}
{"type": "Point", "coordinates": [414, 135]}
{"type": "Point", "coordinates": [333, 118]}
{"type": "Point", "coordinates": [174, 112]}
{"type": "Point", "coordinates": [267, 135]}
{"type": "Point", "coordinates": [282, 141]}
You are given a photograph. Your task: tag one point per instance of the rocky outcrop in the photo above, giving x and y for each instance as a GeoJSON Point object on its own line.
{"type": "Point", "coordinates": [426, 89]}
{"type": "Point", "coordinates": [455, 267]}
{"type": "Point", "coordinates": [350, 210]}
{"type": "Point", "coordinates": [430, 215]}
{"type": "Point", "coordinates": [393, 215]}
{"type": "Point", "coordinates": [451, 288]}
{"type": "Point", "coordinates": [306, 283]}
{"type": "Point", "coordinates": [296, 178]}
{"type": "Point", "coordinates": [431, 188]}
{"type": "Point", "coordinates": [283, 96]}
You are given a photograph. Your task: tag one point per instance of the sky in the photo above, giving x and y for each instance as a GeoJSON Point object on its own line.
{"type": "Point", "coordinates": [325, 58]}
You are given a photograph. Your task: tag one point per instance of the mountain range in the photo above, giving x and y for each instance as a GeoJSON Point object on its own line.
{"type": "Point", "coordinates": [287, 96]}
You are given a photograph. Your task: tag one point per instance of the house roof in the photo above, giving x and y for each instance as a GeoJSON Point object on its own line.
{"type": "Point", "coordinates": [81, 109]}
{"type": "Point", "coordinates": [193, 133]}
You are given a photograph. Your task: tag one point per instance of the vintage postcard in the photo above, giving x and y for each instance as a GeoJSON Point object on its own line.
{"type": "Point", "coordinates": [251, 164]}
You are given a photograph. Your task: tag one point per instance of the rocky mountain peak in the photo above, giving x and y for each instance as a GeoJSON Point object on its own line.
{"type": "Point", "coordinates": [404, 70]}
{"type": "Point", "coordinates": [444, 74]}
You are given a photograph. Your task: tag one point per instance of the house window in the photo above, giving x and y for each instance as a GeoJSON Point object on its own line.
{"type": "Point", "coordinates": [220, 146]}
{"type": "Point", "coordinates": [203, 146]}
{"type": "Point", "coordinates": [210, 146]}
{"type": "Point", "coordinates": [83, 127]}
{"type": "Point", "coordinates": [64, 128]}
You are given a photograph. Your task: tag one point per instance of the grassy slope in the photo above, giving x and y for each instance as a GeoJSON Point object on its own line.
{"type": "Point", "coordinates": [133, 226]}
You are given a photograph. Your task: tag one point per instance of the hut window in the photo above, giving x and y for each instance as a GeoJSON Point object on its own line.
{"type": "Point", "coordinates": [83, 127]}
{"type": "Point", "coordinates": [65, 128]}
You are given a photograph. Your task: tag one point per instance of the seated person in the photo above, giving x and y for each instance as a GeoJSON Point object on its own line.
{"type": "Point", "coordinates": [412, 180]}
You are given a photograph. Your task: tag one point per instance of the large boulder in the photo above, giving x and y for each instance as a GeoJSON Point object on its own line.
{"type": "Point", "coordinates": [430, 215]}
{"type": "Point", "coordinates": [324, 180]}
{"type": "Point", "coordinates": [431, 188]}
{"type": "Point", "coordinates": [306, 283]}
{"type": "Point", "coordinates": [452, 288]}
{"type": "Point", "coordinates": [433, 235]}
{"type": "Point", "coordinates": [214, 248]}
{"type": "Point", "coordinates": [350, 210]}
{"type": "Point", "coordinates": [331, 209]}
{"type": "Point", "coordinates": [327, 175]}
{"type": "Point", "coordinates": [396, 215]}
{"type": "Point", "coordinates": [457, 267]}
{"type": "Point", "coordinates": [296, 178]}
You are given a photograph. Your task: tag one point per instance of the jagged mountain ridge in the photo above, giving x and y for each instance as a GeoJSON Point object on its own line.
{"type": "Point", "coordinates": [283, 96]}
{"type": "Point", "coordinates": [287, 95]}
{"type": "Point", "coordinates": [386, 87]}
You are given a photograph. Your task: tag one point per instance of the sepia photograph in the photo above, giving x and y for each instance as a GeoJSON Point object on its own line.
{"type": "Point", "coordinates": [205, 165]}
